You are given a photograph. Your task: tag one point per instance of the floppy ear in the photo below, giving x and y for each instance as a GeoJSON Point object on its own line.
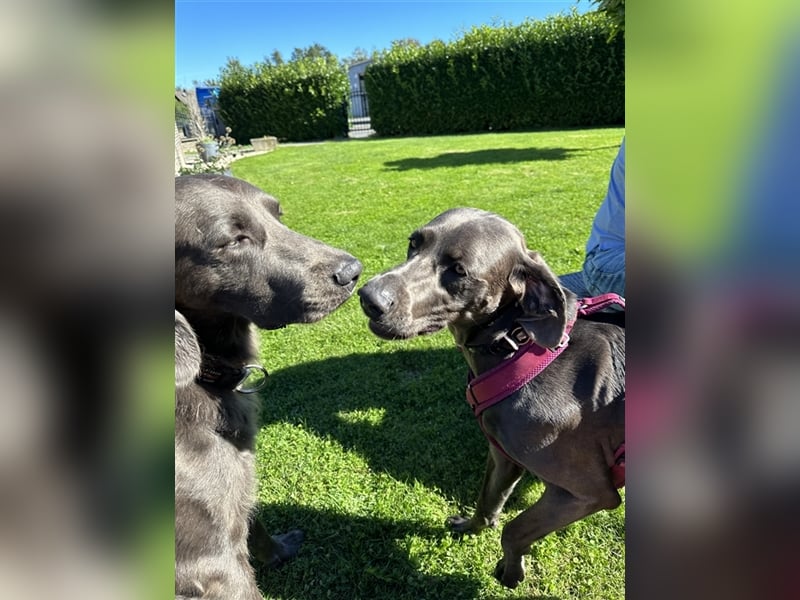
{"type": "Point", "coordinates": [187, 352]}
{"type": "Point", "coordinates": [542, 299]}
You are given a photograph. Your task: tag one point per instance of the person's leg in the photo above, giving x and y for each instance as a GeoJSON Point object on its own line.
{"type": "Point", "coordinates": [575, 283]}
{"type": "Point", "coordinates": [604, 272]}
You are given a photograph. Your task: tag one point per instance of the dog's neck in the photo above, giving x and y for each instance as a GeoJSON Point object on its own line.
{"type": "Point", "coordinates": [223, 336]}
{"type": "Point", "coordinates": [488, 342]}
{"type": "Point", "coordinates": [483, 343]}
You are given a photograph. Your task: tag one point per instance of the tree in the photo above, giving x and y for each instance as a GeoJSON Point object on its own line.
{"type": "Point", "coordinates": [615, 9]}
{"type": "Point", "coordinates": [313, 51]}
{"type": "Point", "coordinates": [205, 83]}
{"type": "Point", "coordinates": [276, 58]}
{"type": "Point", "coordinates": [406, 43]}
{"type": "Point", "coordinates": [358, 55]}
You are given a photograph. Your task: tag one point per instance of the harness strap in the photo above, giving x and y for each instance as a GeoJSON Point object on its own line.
{"type": "Point", "coordinates": [494, 385]}
{"type": "Point", "coordinates": [528, 361]}
{"type": "Point", "coordinates": [588, 306]}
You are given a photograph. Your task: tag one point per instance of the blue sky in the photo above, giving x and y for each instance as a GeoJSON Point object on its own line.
{"type": "Point", "coordinates": [208, 32]}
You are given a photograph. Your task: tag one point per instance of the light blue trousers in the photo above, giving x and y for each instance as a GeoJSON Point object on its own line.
{"type": "Point", "coordinates": [604, 272]}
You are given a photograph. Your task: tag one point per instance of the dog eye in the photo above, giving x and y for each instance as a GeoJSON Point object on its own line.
{"type": "Point", "coordinates": [240, 239]}
{"type": "Point", "coordinates": [459, 269]}
{"type": "Point", "coordinates": [412, 243]}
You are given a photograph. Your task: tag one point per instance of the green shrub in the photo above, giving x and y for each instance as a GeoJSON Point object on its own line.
{"type": "Point", "coordinates": [559, 72]}
{"type": "Point", "coordinates": [295, 101]}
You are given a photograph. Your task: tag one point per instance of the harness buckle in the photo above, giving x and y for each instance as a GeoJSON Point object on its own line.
{"type": "Point", "coordinates": [519, 335]}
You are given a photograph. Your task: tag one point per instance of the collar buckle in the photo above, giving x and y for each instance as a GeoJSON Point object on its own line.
{"type": "Point", "coordinates": [513, 339]}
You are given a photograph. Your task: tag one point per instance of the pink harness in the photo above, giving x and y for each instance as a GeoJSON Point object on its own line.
{"type": "Point", "coordinates": [528, 361]}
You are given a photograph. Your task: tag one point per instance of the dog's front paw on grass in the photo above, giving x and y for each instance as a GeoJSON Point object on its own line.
{"type": "Point", "coordinates": [458, 524]}
{"type": "Point", "coordinates": [509, 573]}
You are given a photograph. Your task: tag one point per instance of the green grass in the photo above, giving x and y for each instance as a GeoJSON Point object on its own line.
{"type": "Point", "coordinates": [368, 445]}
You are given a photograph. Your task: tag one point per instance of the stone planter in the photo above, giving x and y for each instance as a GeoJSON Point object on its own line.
{"type": "Point", "coordinates": [208, 150]}
{"type": "Point", "coordinates": [264, 144]}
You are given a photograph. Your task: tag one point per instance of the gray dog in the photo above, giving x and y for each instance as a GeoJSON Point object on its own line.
{"type": "Point", "coordinates": [236, 264]}
{"type": "Point", "coordinates": [470, 271]}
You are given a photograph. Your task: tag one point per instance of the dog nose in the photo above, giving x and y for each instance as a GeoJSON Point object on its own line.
{"type": "Point", "coordinates": [348, 272]}
{"type": "Point", "coordinates": [375, 302]}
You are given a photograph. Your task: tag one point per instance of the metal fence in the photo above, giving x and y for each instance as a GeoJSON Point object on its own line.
{"type": "Point", "coordinates": [358, 120]}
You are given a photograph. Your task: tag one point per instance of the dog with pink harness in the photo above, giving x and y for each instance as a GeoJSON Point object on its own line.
{"type": "Point", "coordinates": [530, 359]}
{"type": "Point", "coordinates": [547, 370]}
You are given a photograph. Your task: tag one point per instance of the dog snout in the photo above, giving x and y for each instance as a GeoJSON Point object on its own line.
{"type": "Point", "coordinates": [376, 301]}
{"type": "Point", "coordinates": [348, 272]}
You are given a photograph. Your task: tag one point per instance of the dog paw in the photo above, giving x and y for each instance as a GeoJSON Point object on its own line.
{"type": "Point", "coordinates": [273, 550]}
{"type": "Point", "coordinates": [510, 574]}
{"type": "Point", "coordinates": [287, 545]}
{"type": "Point", "coordinates": [459, 524]}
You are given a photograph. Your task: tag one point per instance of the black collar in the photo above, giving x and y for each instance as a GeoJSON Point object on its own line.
{"type": "Point", "coordinates": [501, 335]}
{"type": "Point", "coordinates": [218, 373]}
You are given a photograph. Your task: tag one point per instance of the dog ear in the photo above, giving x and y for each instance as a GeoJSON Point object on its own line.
{"type": "Point", "coordinates": [187, 352]}
{"type": "Point", "coordinates": [542, 299]}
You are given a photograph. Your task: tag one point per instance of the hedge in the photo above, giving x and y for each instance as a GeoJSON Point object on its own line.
{"type": "Point", "coordinates": [557, 72]}
{"type": "Point", "coordinates": [296, 101]}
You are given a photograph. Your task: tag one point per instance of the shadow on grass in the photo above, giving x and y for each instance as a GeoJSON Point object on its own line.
{"type": "Point", "coordinates": [488, 156]}
{"type": "Point", "coordinates": [501, 597]}
{"type": "Point", "coordinates": [424, 432]}
{"type": "Point", "coordinates": [353, 557]}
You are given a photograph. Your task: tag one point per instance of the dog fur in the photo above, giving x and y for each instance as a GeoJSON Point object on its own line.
{"type": "Point", "coordinates": [236, 264]}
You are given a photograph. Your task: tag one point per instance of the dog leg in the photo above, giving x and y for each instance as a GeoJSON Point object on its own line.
{"type": "Point", "coordinates": [273, 550]}
{"type": "Point", "coordinates": [498, 482]}
{"type": "Point", "coordinates": [556, 508]}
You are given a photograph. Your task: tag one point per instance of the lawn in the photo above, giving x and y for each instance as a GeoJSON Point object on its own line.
{"type": "Point", "coordinates": [368, 445]}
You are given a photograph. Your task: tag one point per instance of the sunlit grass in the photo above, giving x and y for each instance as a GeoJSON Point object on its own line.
{"type": "Point", "coordinates": [368, 445]}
